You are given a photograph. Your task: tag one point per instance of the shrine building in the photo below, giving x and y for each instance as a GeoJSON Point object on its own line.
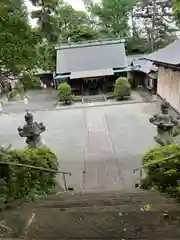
{"type": "Point", "coordinates": [91, 67]}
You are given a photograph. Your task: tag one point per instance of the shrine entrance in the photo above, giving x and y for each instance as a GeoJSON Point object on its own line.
{"type": "Point", "coordinates": [94, 86]}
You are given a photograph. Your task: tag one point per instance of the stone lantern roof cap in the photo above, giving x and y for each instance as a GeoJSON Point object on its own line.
{"type": "Point", "coordinates": [28, 116]}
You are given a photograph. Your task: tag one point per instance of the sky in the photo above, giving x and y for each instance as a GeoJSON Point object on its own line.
{"type": "Point", "coordinates": [76, 4]}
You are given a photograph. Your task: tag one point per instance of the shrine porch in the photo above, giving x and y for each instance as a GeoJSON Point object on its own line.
{"type": "Point", "coordinates": [93, 86]}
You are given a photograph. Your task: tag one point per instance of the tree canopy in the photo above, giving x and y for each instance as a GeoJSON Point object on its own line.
{"type": "Point", "coordinates": [59, 22]}
{"type": "Point", "coordinates": [112, 16]}
{"type": "Point", "coordinates": [157, 22]}
{"type": "Point", "coordinates": [176, 9]}
{"type": "Point", "coordinates": [17, 38]}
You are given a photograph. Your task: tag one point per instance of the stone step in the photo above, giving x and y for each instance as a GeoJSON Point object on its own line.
{"type": "Point", "coordinates": [84, 199]}
{"type": "Point", "coordinates": [95, 215]}
{"type": "Point", "coordinates": [96, 98]}
{"type": "Point", "coordinates": [55, 224]}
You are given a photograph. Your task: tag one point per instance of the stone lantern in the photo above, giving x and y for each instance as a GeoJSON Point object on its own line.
{"type": "Point", "coordinates": [32, 131]}
{"type": "Point", "coordinates": [165, 125]}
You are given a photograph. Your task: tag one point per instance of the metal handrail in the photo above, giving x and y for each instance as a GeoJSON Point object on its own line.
{"type": "Point", "coordinates": [156, 162]}
{"type": "Point", "coordinates": [39, 168]}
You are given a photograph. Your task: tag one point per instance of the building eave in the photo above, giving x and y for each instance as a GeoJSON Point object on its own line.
{"type": "Point", "coordinates": [167, 65]}
{"type": "Point", "coordinates": [88, 43]}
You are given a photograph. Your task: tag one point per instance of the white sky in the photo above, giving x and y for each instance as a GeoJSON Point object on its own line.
{"type": "Point", "coordinates": [76, 4]}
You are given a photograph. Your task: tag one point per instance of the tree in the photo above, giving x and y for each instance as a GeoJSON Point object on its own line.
{"type": "Point", "coordinates": [137, 45]}
{"type": "Point", "coordinates": [59, 22]}
{"type": "Point", "coordinates": [46, 56]}
{"type": "Point", "coordinates": [122, 88]}
{"type": "Point", "coordinates": [48, 31]}
{"type": "Point", "coordinates": [147, 23]}
{"type": "Point", "coordinates": [156, 22]}
{"type": "Point", "coordinates": [17, 39]}
{"type": "Point", "coordinates": [75, 25]}
{"type": "Point", "coordinates": [46, 18]}
{"type": "Point", "coordinates": [82, 33]}
{"type": "Point", "coordinates": [176, 10]}
{"type": "Point", "coordinates": [112, 16]}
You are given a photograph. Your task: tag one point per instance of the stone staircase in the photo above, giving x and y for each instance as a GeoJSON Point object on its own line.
{"type": "Point", "coordinates": [136, 214]}
{"type": "Point", "coordinates": [94, 98]}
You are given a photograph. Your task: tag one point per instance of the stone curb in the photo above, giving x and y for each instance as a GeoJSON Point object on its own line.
{"type": "Point", "coordinates": [13, 102]}
{"type": "Point", "coordinates": [82, 106]}
{"type": "Point", "coordinates": [104, 105]}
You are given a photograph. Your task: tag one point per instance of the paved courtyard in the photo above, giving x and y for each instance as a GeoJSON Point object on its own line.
{"type": "Point", "coordinates": [46, 99]}
{"type": "Point", "coordinates": [99, 145]}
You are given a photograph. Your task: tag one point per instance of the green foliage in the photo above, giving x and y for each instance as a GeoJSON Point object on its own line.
{"type": "Point", "coordinates": [176, 130]}
{"type": "Point", "coordinates": [30, 81]}
{"type": "Point", "coordinates": [82, 33]}
{"type": "Point", "coordinates": [158, 28]}
{"type": "Point", "coordinates": [163, 175]}
{"type": "Point", "coordinates": [137, 46]}
{"type": "Point", "coordinates": [19, 88]}
{"type": "Point", "coordinates": [122, 88]}
{"type": "Point", "coordinates": [112, 16]}
{"type": "Point", "coordinates": [17, 93]}
{"type": "Point", "coordinates": [23, 182]}
{"type": "Point", "coordinates": [46, 18]}
{"type": "Point", "coordinates": [12, 94]}
{"type": "Point", "coordinates": [46, 56]}
{"type": "Point", "coordinates": [48, 32]}
{"type": "Point", "coordinates": [65, 93]}
{"type": "Point", "coordinates": [75, 25]}
{"type": "Point", "coordinates": [17, 39]}
{"type": "Point", "coordinates": [176, 10]}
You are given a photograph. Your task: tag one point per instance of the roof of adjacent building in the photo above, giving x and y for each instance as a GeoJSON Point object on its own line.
{"type": "Point", "coordinates": [168, 55]}
{"type": "Point", "coordinates": [140, 63]}
{"type": "Point", "coordinates": [134, 57]}
{"type": "Point", "coordinates": [90, 56]}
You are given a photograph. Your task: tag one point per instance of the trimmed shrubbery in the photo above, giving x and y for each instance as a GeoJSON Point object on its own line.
{"type": "Point", "coordinates": [17, 93]}
{"type": "Point", "coordinates": [22, 182]}
{"type": "Point", "coordinates": [163, 175]}
{"type": "Point", "coordinates": [65, 93]}
{"type": "Point", "coordinates": [122, 88]}
{"type": "Point", "coordinates": [13, 95]}
{"type": "Point", "coordinates": [30, 81]}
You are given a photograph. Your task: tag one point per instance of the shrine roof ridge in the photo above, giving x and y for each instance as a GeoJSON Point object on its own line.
{"type": "Point", "coordinates": [82, 44]}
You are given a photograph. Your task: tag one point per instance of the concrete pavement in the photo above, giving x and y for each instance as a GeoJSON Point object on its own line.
{"type": "Point", "coordinates": [100, 146]}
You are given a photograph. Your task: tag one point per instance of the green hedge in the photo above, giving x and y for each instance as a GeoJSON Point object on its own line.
{"type": "Point", "coordinates": [30, 81]}
{"type": "Point", "coordinates": [17, 93]}
{"type": "Point", "coordinates": [22, 182]}
{"type": "Point", "coordinates": [122, 88]}
{"type": "Point", "coordinates": [164, 175]}
{"type": "Point", "coordinates": [12, 94]}
{"type": "Point", "coordinates": [65, 93]}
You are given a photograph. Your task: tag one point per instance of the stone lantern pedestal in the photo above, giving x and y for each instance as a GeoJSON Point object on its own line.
{"type": "Point", "coordinates": [32, 131]}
